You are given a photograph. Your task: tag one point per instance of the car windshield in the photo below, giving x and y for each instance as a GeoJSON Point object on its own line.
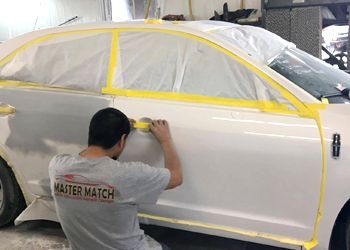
{"type": "Point", "coordinates": [313, 75]}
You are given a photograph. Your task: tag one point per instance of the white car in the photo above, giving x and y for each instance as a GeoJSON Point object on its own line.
{"type": "Point", "coordinates": [261, 127]}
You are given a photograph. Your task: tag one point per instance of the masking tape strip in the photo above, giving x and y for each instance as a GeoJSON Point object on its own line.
{"type": "Point", "coordinates": [112, 59]}
{"type": "Point", "coordinates": [316, 106]}
{"type": "Point", "coordinates": [313, 242]}
{"type": "Point", "coordinates": [7, 110]}
{"type": "Point", "coordinates": [324, 100]}
{"type": "Point", "coordinates": [141, 125]}
{"type": "Point", "coordinates": [280, 239]}
{"type": "Point", "coordinates": [268, 106]}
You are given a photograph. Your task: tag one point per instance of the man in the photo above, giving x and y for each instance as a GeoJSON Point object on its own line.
{"type": "Point", "coordinates": [97, 196]}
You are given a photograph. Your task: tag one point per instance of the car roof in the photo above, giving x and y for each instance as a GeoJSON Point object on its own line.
{"type": "Point", "coordinates": [258, 43]}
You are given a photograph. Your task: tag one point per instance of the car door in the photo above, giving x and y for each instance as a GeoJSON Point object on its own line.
{"type": "Point", "coordinates": [250, 162]}
{"type": "Point", "coordinates": [54, 87]}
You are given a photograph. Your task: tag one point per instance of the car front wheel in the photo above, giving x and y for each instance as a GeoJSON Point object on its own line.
{"type": "Point", "coordinates": [11, 199]}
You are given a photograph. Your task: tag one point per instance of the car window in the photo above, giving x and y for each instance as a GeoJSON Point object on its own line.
{"type": "Point", "coordinates": [311, 74]}
{"type": "Point", "coordinates": [73, 61]}
{"type": "Point", "coordinates": [210, 72]}
{"type": "Point", "coordinates": [158, 61]}
{"type": "Point", "coordinates": [146, 61]}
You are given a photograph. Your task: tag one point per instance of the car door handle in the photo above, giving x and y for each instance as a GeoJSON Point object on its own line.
{"type": "Point", "coordinates": [6, 109]}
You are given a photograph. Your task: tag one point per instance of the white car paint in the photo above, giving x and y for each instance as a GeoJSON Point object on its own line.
{"type": "Point", "coordinates": [244, 169]}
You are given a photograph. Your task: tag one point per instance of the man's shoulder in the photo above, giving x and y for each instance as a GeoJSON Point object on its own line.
{"type": "Point", "coordinates": [58, 159]}
{"type": "Point", "coordinates": [61, 157]}
{"type": "Point", "coordinates": [133, 164]}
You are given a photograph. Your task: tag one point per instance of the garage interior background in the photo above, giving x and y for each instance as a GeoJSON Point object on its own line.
{"type": "Point", "coordinates": [319, 27]}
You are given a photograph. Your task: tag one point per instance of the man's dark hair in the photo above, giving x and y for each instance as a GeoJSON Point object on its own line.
{"type": "Point", "coordinates": [107, 127]}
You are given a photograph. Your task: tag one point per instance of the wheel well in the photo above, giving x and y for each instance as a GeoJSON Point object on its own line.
{"type": "Point", "coordinates": [5, 163]}
{"type": "Point", "coordinates": [338, 228]}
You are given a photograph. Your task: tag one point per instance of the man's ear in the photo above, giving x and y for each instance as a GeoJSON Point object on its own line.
{"type": "Point", "coordinates": [122, 141]}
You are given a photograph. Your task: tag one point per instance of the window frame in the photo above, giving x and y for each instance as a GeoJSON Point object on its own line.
{"type": "Point", "coordinates": [265, 106]}
{"type": "Point", "coordinates": [38, 40]}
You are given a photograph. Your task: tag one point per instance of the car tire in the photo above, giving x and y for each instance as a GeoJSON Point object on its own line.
{"type": "Point", "coordinates": [347, 234]}
{"type": "Point", "coordinates": [340, 239]}
{"type": "Point", "coordinates": [12, 202]}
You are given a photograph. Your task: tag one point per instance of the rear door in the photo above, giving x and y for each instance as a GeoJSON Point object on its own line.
{"type": "Point", "coordinates": [250, 162]}
{"type": "Point", "coordinates": [54, 86]}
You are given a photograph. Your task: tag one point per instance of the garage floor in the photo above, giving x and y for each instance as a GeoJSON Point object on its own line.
{"type": "Point", "coordinates": [38, 235]}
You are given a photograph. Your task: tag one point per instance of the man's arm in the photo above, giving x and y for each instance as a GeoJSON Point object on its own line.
{"type": "Point", "coordinates": [160, 129]}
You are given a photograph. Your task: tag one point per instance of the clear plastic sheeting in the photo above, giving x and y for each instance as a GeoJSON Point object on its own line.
{"type": "Point", "coordinates": [72, 61]}
{"type": "Point", "coordinates": [207, 71]}
{"type": "Point", "coordinates": [147, 61]}
{"type": "Point", "coordinates": [311, 74]}
{"type": "Point", "coordinates": [259, 43]}
{"type": "Point", "coordinates": [173, 63]}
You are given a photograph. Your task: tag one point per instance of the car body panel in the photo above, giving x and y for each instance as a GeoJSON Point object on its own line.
{"type": "Point", "coordinates": [291, 221]}
{"type": "Point", "coordinates": [231, 150]}
{"type": "Point", "coordinates": [336, 118]}
{"type": "Point", "coordinates": [45, 123]}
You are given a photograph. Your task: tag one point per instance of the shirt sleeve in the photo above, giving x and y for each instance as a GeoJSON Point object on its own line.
{"type": "Point", "coordinates": [146, 184]}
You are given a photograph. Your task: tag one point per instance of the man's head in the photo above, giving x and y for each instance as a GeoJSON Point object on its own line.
{"type": "Point", "coordinates": [108, 129]}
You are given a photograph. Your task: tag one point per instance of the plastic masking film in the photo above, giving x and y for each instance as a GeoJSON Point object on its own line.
{"type": "Point", "coordinates": [168, 63]}
{"type": "Point", "coordinates": [74, 61]}
{"type": "Point", "coordinates": [259, 43]}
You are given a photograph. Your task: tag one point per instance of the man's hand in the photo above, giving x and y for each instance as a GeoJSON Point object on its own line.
{"type": "Point", "coordinates": [160, 130]}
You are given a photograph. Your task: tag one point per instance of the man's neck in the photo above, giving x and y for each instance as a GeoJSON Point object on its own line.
{"type": "Point", "coordinates": [94, 152]}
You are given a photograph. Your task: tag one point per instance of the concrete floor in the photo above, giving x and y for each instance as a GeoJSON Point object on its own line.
{"type": "Point", "coordinates": [38, 235]}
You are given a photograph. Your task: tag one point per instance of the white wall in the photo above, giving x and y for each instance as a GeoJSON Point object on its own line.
{"type": "Point", "coordinates": [203, 9]}
{"type": "Point", "coordinates": [21, 16]}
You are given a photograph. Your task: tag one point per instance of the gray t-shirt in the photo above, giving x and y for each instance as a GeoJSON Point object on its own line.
{"type": "Point", "coordinates": [97, 200]}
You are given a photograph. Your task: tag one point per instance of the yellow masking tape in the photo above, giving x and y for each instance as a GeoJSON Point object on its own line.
{"type": "Point", "coordinates": [314, 107]}
{"type": "Point", "coordinates": [112, 59]}
{"type": "Point", "coordinates": [313, 242]}
{"type": "Point", "coordinates": [7, 110]}
{"type": "Point", "coordinates": [281, 239]}
{"type": "Point", "coordinates": [269, 106]}
{"type": "Point", "coordinates": [153, 21]}
{"type": "Point", "coordinates": [324, 100]}
{"type": "Point", "coordinates": [141, 125]}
